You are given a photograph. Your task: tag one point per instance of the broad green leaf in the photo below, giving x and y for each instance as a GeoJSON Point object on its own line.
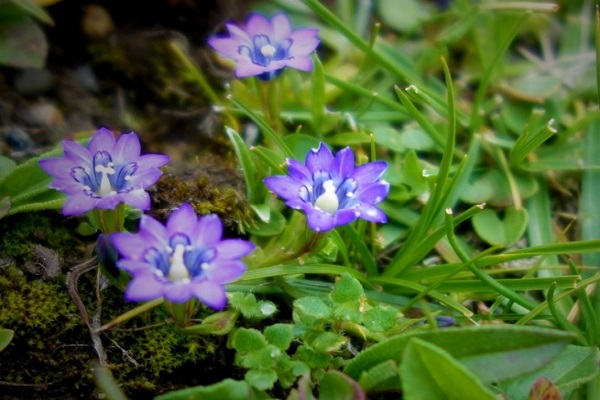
{"type": "Point", "coordinates": [428, 372]}
{"type": "Point", "coordinates": [382, 377]}
{"type": "Point", "coordinates": [274, 225]}
{"type": "Point", "coordinates": [6, 165]}
{"type": "Point", "coordinates": [334, 385]}
{"type": "Point", "coordinates": [32, 8]}
{"type": "Point", "coordinates": [280, 335]}
{"type": "Point", "coordinates": [301, 144]}
{"type": "Point", "coordinates": [261, 379]}
{"type": "Point", "coordinates": [246, 340]}
{"type": "Point", "coordinates": [6, 335]}
{"type": "Point", "coordinates": [401, 15]}
{"type": "Point", "coordinates": [226, 389]}
{"type": "Point", "coordinates": [493, 353]}
{"type": "Point", "coordinates": [501, 232]}
{"type": "Point", "coordinates": [573, 367]}
{"type": "Point", "coordinates": [22, 44]}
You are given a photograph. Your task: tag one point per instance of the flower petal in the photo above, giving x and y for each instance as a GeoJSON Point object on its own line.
{"type": "Point", "coordinates": [369, 172]}
{"type": "Point", "coordinates": [154, 231]}
{"type": "Point", "coordinates": [373, 193]}
{"type": "Point", "coordinates": [78, 203]}
{"type": "Point", "coordinates": [283, 186]}
{"type": "Point", "coordinates": [103, 139]}
{"type": "Point", "coordinates": [281, 27]}
{"type": "Point", "coordinates": [178, 292]}
{"type": "Point", "coordinates": [127, 148]}
{"type": "Point", "coordinates": [257, 24]}
{"type": "Point", "coordinates": [144, 288]}
{"type": "Point", "coordinates": [208, 231]}
{"type": "Point", "coordinates": [346, 216]}
{"type": "Point", "coordinates": [57, 167]}
{"type": "Point", "coordinates": [230, 249]}
{"type": "Point", "coordinates": [132, 246]}
{"type": "Point", "coordinates": [300, 63]}
{"type": "Point", "coordinates": [304, 42]}
{"type": "Point", "coordinates": [320, 159]}
{"type": "Point", "coordinates": [227, 271]}
{"type": "Point", "coordinates": [227, 47]}
{"type": "Point", "coordinates": [344, 163]}
{"type": "Point", "coordinates": [77, 152]}
{"type": "Point", "coordinates": [210, 293]}
{"type": "Point", "coordinates": [182, 220]}
{"type": "Point", "coordinates": [372, 213]}
{"type": "Point", "coordinates": [299, 171]}
{"type": "Point", "coordinates": [320, 221]}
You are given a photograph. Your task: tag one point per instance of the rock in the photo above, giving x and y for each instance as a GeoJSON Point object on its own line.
{"type": "Point", "coordinates": [34, 81]}
{"type": "Point", "coordinates": [17, 139]}
{"type": "Point", "coordinates": [43, 113]}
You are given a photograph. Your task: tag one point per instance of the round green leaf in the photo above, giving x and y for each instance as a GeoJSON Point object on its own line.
{"type": "Point", "coordinates": [501, 232]}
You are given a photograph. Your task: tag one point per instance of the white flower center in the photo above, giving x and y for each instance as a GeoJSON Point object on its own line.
{"type": "Point", "coordinates": [328, 201]}
{"type": "Point", "coordinates": [105, 170]}
{"type": "Point", "coordinates": [267, 50]}
{"type": "Point", "coordinates": [177, 270]}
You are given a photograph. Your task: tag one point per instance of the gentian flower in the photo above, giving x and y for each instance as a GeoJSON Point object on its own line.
{"type": "Point", "coordinates": [330, 190]}
{"type": "Point", "coordinates": [105, 173]}
{"type": "Point", "coordinates": [264, 48]}
{"type": "Point", "coordinates": [183, 259]}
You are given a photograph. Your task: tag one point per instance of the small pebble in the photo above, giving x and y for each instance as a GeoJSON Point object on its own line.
{"type": "Point", "coordinates": [44, 114]}
{"type": "Point", "coordinates": [17, 139]}
{"type": "Point", "coordinates": [34, 81]}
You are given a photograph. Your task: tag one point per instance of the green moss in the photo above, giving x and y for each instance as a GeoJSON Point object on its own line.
{"type": "Point", "coordinates": [210, 187]}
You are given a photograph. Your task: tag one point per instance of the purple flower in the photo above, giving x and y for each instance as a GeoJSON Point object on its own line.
{"type": "Point", "coordinates": [264, 48]}
{"type": "Point", "coordinates": [105, 173]}
{"type": "Point", "coordinates": [330, 190]}
{"type": "Point", "coordinates": [184, 259]}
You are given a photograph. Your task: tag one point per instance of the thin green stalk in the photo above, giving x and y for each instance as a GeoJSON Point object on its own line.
{"type": "Point", "coordinates": [560, 318]}
{"type": "Point", "coordinates": [491, 282]}
{"type": "Point", "coordinates": [475, 125]}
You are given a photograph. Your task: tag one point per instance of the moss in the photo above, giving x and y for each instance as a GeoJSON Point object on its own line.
{"type": "Point", "coordinates": [210, 186]}
{"type": "Point", "coordinates": [52, 230]}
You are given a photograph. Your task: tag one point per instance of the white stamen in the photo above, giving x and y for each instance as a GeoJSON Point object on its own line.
{"type": "Point", "coordinates": [267, 50]}
{"type": "Point", "coordinates": [328, 201]}
{"type": "Point", "coordinates": [105, 186]}
{"type": "Point", "coordinates": [177, 270]}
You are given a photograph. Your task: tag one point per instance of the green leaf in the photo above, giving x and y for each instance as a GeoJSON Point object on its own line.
{"type": "Point", "coordinates": [493, 353]}
{"type": "Point", "coordinates": [22, 44]}
{"type": "Point", "coordinates": [274, 225]}
{"type": "Point", "coordinates": [261, 379]}
{"type": "Point", "coordinates": [334, 385]}
{"type": "Point", "coordinates": [6, 335]}
{"type": "Point", "coordinates": [327, 342]}
{"type": "Point", "coordinates": [380, 318]}
{"type": "Point", "coordinates": [6, 165]}
{"type": "Point", "coordinates": [31, 8]}
{"type": "Point", "coordinates": [226, 389]}
{"type": "Point", "coordinates": [309, 310]}
{"type": "Point", "coordinates": [346, 289]}
{"type": "Point", "coordinates": [246, 340]}
{"type": "Point", "coordinates": [280, 335]}
{"type": "Point", "coordinates": [401, 15]}
{"type": "Point", "coordinates": [430, 373]}
{"type": "Point", "coordinates": [501, 232]}
{"type": "Point", "coordinates": [573, 367]}
{"type": "Point", "coordinates": [382, 377]}
{"type": "Point", "coordinates": [220, 323]}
